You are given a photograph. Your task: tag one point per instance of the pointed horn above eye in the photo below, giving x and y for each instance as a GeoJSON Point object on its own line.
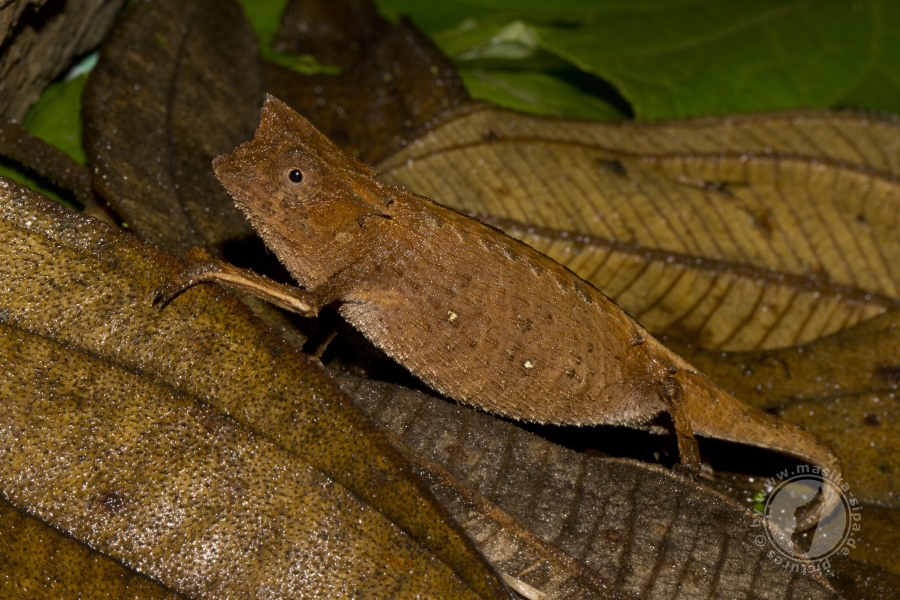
{"type": "Point", "coordinates": [280, 119]}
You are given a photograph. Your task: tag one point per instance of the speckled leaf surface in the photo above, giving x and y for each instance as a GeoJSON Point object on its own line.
{"type": "Point", "coordinates": [176, 85]}
{"type": "Point", "coordinates": [95, 296]}
{"type": "Point", "coordinates": [736, 233]}
{"type": "Point", "coordinates": [37, 561]}
{"type": "Point", "coordinates": [179, 492]}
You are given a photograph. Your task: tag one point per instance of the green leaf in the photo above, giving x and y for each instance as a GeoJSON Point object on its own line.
{"type": "Point", "coordinates": [264, 17]}
{"type": "Point", "coordinates": [16, 173]}
{"type": "Point", "coordinates": [56, 117]}
{"type": "Point", "coordinates": [536, 92]}
{"type": "Point", "coordinates": [677, 58]}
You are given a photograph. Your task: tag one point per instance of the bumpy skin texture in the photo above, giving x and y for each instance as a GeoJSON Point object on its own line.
{"type": "Point", "coordinates": [479, 316]}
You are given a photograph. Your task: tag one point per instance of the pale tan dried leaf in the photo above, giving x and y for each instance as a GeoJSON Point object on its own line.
{"type": "Point", "coordinates": [697, 232]}
{"type": "Point", "coordinates": [857, 360]}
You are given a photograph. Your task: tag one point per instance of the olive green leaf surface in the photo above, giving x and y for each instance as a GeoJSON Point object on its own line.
{"type": "Point", "coordinates": [88, 286]}
{"type": "Point", "coordinates": [736, 233]}
{"type": "Point", "coordinates": [631, 527]}
{"type": "Point", "coordinates": [177, 491]}
{"type": "Point", "coordinates": [677, 58]}
{"type": "Point", "coordinates": [37, 561]}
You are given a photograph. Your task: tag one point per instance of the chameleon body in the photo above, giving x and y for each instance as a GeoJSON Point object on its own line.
{"type": "Point", "coordinates": [480, 317]}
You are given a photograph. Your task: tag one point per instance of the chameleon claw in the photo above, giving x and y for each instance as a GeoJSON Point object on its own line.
{"type": "Point", "coordinates": [165, 293]}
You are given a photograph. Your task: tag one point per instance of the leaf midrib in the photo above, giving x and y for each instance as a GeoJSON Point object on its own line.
{"type": "Point", "coordinates": [805, 283]}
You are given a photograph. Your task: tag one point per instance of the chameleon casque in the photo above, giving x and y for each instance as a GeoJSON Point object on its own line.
{"type": "Point", "coordinates": [478, 316]}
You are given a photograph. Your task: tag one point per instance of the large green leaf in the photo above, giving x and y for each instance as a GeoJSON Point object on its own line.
{"type": "Point", "coordinates": [677, 58]}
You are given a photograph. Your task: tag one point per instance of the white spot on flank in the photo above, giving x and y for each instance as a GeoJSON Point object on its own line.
{"type": "Point", "coordinates": [528, 364]}
{"type": "Point", "coordinates": [451, 316]}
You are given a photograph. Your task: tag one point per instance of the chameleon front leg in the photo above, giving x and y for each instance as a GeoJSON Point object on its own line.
{"type": "Point", "coordinates": [672, 394]}
{"type": "Point", "coordinates": [202, 269]}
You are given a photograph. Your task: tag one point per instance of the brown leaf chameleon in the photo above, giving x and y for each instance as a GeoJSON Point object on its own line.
{"type": "Point", "coordinates": [477, 315]}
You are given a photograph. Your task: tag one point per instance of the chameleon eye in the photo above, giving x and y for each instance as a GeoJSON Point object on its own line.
{"type": "Point", "coordinates": [295, 175]}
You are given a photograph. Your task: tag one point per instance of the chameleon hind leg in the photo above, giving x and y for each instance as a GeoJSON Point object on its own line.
{"type": "Point", "coordinates": [672, 394]}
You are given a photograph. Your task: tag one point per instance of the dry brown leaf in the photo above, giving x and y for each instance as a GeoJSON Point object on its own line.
{"type": "Point", "coordinates": [176, 85]}
{"type": "Point", "coordinates": [85, 284]}
{"type": "Point", "coordinates": [408, 81]}
{"type": "Point", "coordinates": [723, 232]}
{"type": "Point", "coordinates": [636, 529]}
{"type": "Point", "coordinates": [40, 39]}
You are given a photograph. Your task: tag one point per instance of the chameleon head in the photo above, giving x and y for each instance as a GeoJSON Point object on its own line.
{"type": "Point", "coordinates": [308, 200]}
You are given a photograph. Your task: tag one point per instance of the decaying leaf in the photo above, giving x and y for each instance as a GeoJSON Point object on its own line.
{"type": "Point", "coordinates": [176, 85]}
{"type": "Point", "coordinates": [634, 528]}
{"type": "Point", "coordinates": [735, 233]}
{"type": "Point", "coordinates": [39, 39]}
{"type": "Point", "coordinates": [409, 83]}
{"type": "Point", "coordinates": [37, 561]}
{"type": "Point", "coordinates": [94, 294]}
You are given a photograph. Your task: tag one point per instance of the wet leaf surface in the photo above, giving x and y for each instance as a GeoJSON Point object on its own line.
{"type": "Point", "coordinates": [206, 345]}
{"type": "Point", "coordinates": [37, 561]}
{"type": "Point", "coordinates": [179, 492]}
{"type": "Point", "coordinates": [737, 233]}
